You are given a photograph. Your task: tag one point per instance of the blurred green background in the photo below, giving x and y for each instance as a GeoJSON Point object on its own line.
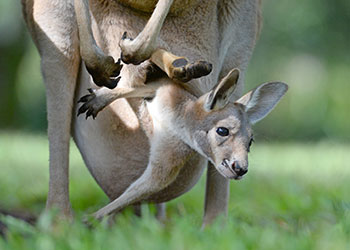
{"type": "Point", "coordinates": [296, 195]}
{"type": "Point", "coordinates": [303, 43]}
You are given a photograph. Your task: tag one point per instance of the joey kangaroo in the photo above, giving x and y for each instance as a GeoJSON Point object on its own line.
{"type": "Point", "coordinates": [184, 125]}
{"type": "Point", "coordinates": [78, 37]}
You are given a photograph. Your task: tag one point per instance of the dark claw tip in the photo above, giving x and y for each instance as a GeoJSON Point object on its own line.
{"type": "Point", "coordinates": [84, 98]}
{"type": "Point", "coordinates": [125, 35]}
{"type": "Point", "coordinates": [113, 83]}
{"type": "Point", "coordinates": [89, 113]}
{"type": "Point", "coordinates": [79, 112]}
{"type": "Point", "coordinates": [117, 71]}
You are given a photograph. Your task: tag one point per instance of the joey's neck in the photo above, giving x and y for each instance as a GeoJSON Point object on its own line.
{"type": "Point", "coordinates": [176, 111]}
{"type": "Point", "coordinates": [185, 118]}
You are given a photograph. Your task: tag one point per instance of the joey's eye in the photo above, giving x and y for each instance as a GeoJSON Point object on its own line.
{"type": "Point", "coordinates": [250, 143]}
{"type": "Point", "coordinates": [222, 131]}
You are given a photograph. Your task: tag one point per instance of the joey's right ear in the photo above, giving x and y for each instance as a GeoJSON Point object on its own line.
{"type": "Point", "coordinates": [219, 96]}
{"type": "Point", "coordinates": [261, 100]}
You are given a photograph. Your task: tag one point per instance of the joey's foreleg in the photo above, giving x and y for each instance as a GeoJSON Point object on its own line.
{"type": "Point", "coordinates": [103, 69]}
{"type": "Point", "coordinates": [141, 48]}
{"type": "Point", "coordinates": [139, 190]}
{"type": "Point", "coordinates": [98, 99]}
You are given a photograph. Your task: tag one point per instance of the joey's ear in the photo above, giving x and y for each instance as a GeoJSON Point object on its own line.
{"type": "Point", "coordinates": [261, 100]}
{"type": "Point", "coordinates": [218, 97]}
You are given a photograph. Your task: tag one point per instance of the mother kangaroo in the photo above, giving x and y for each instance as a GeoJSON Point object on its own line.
{"type": "Point", "coordinates": [78, 39]}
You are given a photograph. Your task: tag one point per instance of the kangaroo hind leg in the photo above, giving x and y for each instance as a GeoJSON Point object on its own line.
{"type": "Point", "coordinates": [51, 24]}
{"type": "Point", "coordinates": [163, 168]}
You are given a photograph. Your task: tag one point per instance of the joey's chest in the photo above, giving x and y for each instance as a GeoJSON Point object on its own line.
{"type": "Point", "coordinates": [166, 108]}
{"type": "Point", "coordinates": [159, 116]}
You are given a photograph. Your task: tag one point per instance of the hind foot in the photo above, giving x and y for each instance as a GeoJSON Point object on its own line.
{"type": "Point", "coordinates": [178, 68]}
{"type": "Point", "coordinates": [184, 71]}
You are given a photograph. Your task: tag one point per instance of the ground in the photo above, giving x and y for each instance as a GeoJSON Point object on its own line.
{"type": "Point", "coordinates": [295, 196]}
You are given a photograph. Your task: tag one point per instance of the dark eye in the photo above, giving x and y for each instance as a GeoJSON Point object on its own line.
{"type": "Point", "coordinates": [250, 143]}
{"type": "Point", "coordinates": [222, 131]}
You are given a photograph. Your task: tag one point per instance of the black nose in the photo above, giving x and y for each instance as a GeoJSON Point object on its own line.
{"type": "Point", "coordinates": [238, 170]}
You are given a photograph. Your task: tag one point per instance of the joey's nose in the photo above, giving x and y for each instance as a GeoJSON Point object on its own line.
{"type": "Point", "coordinates": [238, 170]}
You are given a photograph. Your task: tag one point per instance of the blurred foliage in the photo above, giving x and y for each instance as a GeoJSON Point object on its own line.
{"type": "Point", "coordinates": [306, 44]}
{"type": "Point", "coordinates": [303, 43]}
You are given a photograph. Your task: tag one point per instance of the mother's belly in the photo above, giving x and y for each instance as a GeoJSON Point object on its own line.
{"type": "Point", "coordinates": [178, 6]}
{"type": "Point", "coordinates": [114, 147]}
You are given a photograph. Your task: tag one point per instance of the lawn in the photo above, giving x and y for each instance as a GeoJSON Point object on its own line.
{"type": "Point", "coordinates": [296, 196]}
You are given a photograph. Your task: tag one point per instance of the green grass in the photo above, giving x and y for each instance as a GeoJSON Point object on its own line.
{"type": "Point", "coordinates": [296, 196]}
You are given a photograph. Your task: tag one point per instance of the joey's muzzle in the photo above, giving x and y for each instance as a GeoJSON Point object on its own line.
{"type": "Point", "coordinates": [238, 169]}
{"type": "Point", "coordinates": [232, 169]}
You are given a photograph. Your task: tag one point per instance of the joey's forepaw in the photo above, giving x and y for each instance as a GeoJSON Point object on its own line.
{"type": "Point", "coordinates": [106, 72]}
{"type": "Point", "coordinates": [91, 104]}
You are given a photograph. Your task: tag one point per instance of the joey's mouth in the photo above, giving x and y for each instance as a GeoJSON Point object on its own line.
{"type": "Point", "coordinates": [225, 170]}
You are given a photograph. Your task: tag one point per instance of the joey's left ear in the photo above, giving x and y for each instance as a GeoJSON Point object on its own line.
{"type": "Point", "coordinates": [261, 100]}
{"type": "Point", "coordinates": [218, 97]}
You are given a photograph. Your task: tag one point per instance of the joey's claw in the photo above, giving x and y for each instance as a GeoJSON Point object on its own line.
{"type": "Point", "coordinates": [87, 98]}
{"type": "Point", "coordinates": [80, 110]}
{"type": "Point", "coordinates": [125, 36]}
{"type": "Point", "coordinates": [92, 104]}
{"type": "Point", "coordinates": [84, 98]}
{"type": "Point", "coordinates": [88, 113]}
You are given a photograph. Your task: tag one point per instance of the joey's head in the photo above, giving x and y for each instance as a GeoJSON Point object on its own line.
{"type": "Point", "coordinates": [223, 131]}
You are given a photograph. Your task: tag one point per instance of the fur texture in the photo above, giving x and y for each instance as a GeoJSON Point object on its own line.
{"type": "Point", "coordinates": [114, 147]}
